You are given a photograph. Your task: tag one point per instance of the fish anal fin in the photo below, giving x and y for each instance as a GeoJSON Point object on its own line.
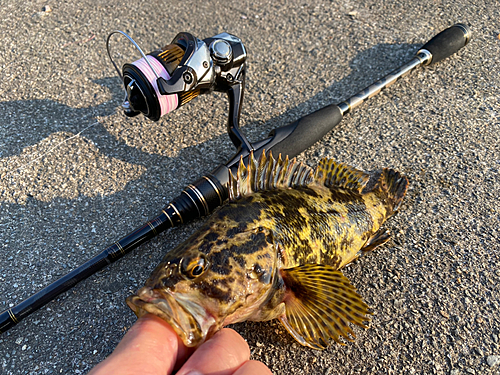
{"type": "Point", "coordinates": [319, 303]}
{"type": "Point", "coordinates": [380, 237]}
{"type": "Point", "coordinates": [333, 174]}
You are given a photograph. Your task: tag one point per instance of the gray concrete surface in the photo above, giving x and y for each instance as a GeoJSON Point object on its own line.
{"type": "Point", "coordinates": [76, 175]}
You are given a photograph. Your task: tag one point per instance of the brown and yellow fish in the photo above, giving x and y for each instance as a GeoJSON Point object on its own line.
{"type": "Point", "coordinates": [275, 250]}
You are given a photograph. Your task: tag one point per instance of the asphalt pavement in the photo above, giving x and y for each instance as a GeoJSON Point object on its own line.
{"type": "Point", "coordinates": [76, 174]}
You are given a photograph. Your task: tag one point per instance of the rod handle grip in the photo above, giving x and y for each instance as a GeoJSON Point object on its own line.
{"type": "Point", "coordinates": [306, 131]}
{"type": "Point", "coordinates": [448, 42]}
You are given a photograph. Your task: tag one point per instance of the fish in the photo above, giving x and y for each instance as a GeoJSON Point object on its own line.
{"type": "Point", "coordinates": [276, 250]}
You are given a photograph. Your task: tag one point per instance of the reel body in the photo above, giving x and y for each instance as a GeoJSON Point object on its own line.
{"type": "Point", "coordinates": [169, 77]}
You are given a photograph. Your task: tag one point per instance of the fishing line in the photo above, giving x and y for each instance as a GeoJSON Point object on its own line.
{"type": "Point", "coordinates": [167, 102]}
{"type": "Point", "coordinates": [47, 152]}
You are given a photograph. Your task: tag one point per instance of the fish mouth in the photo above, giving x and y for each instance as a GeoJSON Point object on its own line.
{"type": "Point", "coordinates": [189, 320]}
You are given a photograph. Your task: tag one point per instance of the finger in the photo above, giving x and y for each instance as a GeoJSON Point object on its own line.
{"type": "Point", "coordinates": [223, 354]}
{"type": "Point", "coordinates": [252, 368]}
{"type": "Point", "coordinates": [151, 346]}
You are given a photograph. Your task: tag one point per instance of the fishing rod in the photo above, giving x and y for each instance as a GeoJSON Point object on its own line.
{"type": "Point", "coordinates": [170, 77]}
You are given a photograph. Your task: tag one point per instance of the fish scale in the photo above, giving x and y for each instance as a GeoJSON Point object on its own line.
{"type": "Point", "coordinates": [276, 250]}
{"type": "Point", "coordinates": [313, 228]}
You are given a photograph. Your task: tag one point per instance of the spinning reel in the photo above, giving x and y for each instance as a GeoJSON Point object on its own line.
{"type": "Point", "coordinates": [169, 77]}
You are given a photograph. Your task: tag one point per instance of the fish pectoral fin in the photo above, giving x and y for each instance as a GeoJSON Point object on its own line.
{"type": "Point", "coordinates": [380, 237]}
{"type": "Point", "coordinates": [319, 303]}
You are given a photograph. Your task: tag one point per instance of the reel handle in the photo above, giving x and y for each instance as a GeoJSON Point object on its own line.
{"type": "Point", "coordinates": [447, 42]}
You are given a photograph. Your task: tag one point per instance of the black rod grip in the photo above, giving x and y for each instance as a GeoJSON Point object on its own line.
{"type": "Point", "coordinates": [447, 42]}
{"type": "Point", "coordinates": [306, 131]}
{"type": "Point", "coordinates": [199, 199]}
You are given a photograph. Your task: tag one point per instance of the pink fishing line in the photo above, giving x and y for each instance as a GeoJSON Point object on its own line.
{"type": "Point", "coordinates": [167, 102]}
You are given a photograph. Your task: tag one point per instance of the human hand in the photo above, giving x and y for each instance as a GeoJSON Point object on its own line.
{"type": "Point", "coordinates": [151, 347]}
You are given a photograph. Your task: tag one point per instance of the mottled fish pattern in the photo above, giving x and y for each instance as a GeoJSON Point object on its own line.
{"type": "Point", "coordinates": [275, 250]}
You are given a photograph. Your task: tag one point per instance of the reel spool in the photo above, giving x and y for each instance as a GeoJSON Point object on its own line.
{"type": "Point", "coordinates": [170, 77]}
{"type": "Point", "coordinates": [142, 88]}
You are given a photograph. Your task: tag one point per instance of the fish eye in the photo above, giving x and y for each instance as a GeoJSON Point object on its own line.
{"type": "Point", "coordinates": [197, 270]}
{"type": "Point", "coordinates": [193, 267]}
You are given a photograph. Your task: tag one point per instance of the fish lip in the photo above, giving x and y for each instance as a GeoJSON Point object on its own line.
{"type": "Point", "coordinates": [188, 319]}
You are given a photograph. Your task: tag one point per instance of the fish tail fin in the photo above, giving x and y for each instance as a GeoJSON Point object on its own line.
{"type": "Point", "coordinates": [394, 185]}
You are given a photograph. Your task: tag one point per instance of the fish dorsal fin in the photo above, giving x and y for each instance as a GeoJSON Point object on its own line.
{"type": "Point", "coordinates": [319, 303]}
{"type": "Point", "coordinates": [266, 174]}
{"type": "Point", "coordinates": [332, 174]}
